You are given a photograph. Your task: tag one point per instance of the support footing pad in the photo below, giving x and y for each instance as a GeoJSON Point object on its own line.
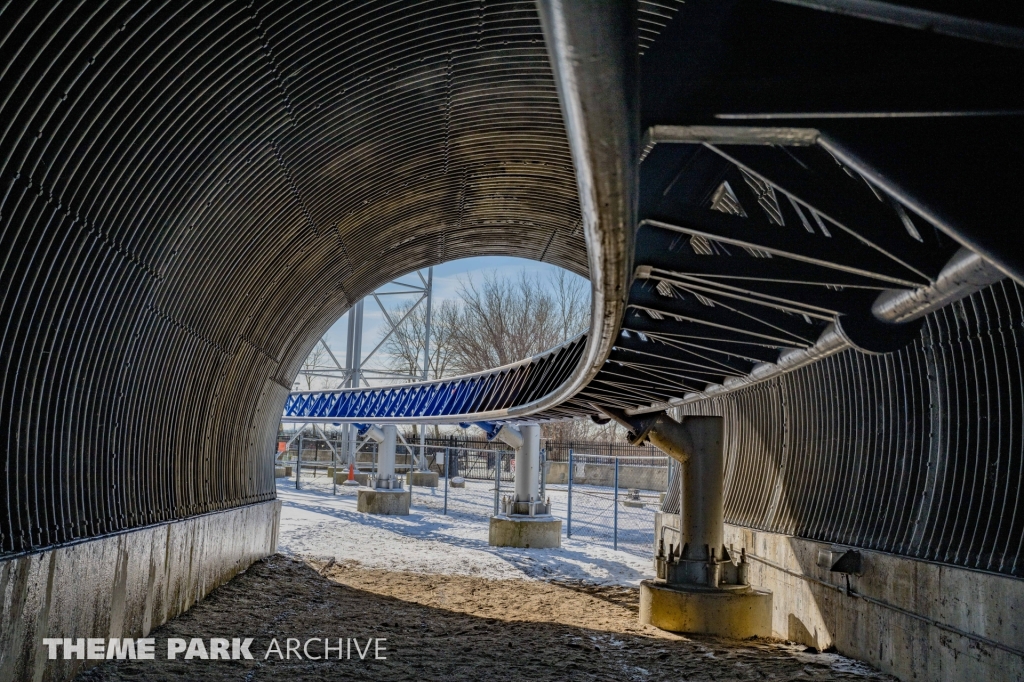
{"type": "Point", "coordinates": [393, 502]}
{"type": "Point", "coordinates": [526, 531]}
{"type": "Point", "coordinates": [426, 479]}
{"type": "Point", "coordinates": [734, 613]}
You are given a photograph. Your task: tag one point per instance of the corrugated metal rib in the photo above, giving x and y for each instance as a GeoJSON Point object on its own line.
{"type": "Point", "coordinates": [915, 453]}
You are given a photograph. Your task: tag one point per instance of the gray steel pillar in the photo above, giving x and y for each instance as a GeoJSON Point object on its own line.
{"type": "Point", "coordinates": [528, 465]}
{"type": "Point", "coordinates": [703, 514]}
{"type": "Point", "coordinates": [698, 444]}
{"type": "Point", "coordinates": [386, 457]}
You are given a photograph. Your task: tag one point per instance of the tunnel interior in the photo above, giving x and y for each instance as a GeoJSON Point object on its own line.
{"type": "Point", "coordinates": [193, 194]}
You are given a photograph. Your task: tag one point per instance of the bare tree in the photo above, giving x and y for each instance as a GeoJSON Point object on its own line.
{"type": "Point", "coordinates": [505, 320]}
{"type": "Point", "coordinates": [583, 429]}
{"type": "Point", "coordinates": [492, 323]}
{"type": "Point", "coordinates": [573, 300]}
{"type": "Point", "coordinates": [404, 348]}
{"type": "Point", "coordinates": [313, 362]}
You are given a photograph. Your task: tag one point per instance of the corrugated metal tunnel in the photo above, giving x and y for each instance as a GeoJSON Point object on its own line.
{"type": "Point", "coordinates": [911, 453]}
{"type": "Point", "coordinates": [193, 193]}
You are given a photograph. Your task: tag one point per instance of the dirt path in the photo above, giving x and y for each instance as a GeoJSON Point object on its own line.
{"type": "Point", "coordinates": [441, 627]}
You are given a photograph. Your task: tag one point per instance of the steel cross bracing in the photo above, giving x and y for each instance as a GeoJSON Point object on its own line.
{"type": "Point", "coordinates": [758, 248]}
{"type": "Point", "coordinates": [354, 372]}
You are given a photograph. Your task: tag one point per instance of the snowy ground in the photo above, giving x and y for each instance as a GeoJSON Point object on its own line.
{"type": "Point", "coordinates": [323, 527]}
{"type": "Point", "coordinates": [315, 523]}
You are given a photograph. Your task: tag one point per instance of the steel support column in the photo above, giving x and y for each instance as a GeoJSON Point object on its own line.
{"type": "Point", "coordinates": [703, 518]}
{"type": "Point", "coordinates": [528, 465]}
{"type": "Point", "coordinates": [386, 458]}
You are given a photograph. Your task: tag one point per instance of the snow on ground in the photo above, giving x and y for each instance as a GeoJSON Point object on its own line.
{"type": "Point", "coordinates": [314, 522]}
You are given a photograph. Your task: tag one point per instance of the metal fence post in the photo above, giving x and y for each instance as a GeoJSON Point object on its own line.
{"type": "Point", "coordinates": [543, 474]}
{"type": "Point", "coordinates": [447, 461]}
{"type": "Point", "coordinates": [298, 464]}
{"type": "Point", "coordinates": [568, 513]}
{"type": "Point", "coordinates": [497, 479]}
{"type": "Point", "coordinates": [615, 510]}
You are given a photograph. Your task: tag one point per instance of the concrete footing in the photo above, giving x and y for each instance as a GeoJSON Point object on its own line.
{"type": "Point", "coordinates": [457, 482]}
{"type": "Point", "coordinates": [736, 612]}
{"type": "Point", "coordinates": [280, 472]}
{"type": "Point", "coordinates": [391, 502]}
{"type": "Point", "coordinates": [527, 531]}
{"type": "Point", "coordinates": [425, 479]}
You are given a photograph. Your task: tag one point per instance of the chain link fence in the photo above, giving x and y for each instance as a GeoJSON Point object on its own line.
{"type": "Point", "coordinates": [605, 493]}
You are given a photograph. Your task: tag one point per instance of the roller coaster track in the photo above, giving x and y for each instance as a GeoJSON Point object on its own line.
{"type": "Point", "coordinates": [758, 249]}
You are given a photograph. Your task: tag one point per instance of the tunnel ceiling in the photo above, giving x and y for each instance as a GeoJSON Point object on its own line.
{"type": "Point", "coordinates": [808, 181]}
{"type": "Point", "coordinates": [193, 192]}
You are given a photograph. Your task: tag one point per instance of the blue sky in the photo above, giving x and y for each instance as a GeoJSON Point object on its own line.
{"type": "Point", "coordinates": [446, 281]}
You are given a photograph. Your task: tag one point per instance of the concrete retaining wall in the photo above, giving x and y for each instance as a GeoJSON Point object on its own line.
{"type": "Point", "coordinates": [912, 619]}
{"type": "Point", "coordinates": [642, 478]}
{"type": "Point", "coordinates": [122, 585]}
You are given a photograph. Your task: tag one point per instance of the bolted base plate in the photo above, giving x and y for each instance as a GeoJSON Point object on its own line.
{"type": "Point", "coordinates": [426, 479]}
{"type": "Point", "coordinates": [392, 502]}
{"type": "Point", "coordinates": [525, 531]}
{"type": "Point", "coordinates": [735, 612]}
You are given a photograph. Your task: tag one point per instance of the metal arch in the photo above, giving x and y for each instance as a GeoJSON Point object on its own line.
{"type": "Point", "coordinates": [800, 265]}
{"type": "Point", "coordinates": [594, 50]}
{"type": "Point", "coordinates": [193, 194]}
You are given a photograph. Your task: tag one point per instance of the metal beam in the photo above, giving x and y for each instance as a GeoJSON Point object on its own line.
{"type": "Point", "coordinates": [849, 202]}
{"type": "Point", "coordinates": [845, 255]}
{"type": "Point", "coordinates": [922, 20]}
{"type": "Point", "coordinates": [760, 321]}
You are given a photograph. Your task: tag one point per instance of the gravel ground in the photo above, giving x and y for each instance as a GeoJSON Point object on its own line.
{"type": "Point", "coordinates": [450, 607]}
{"type": "Point", "coordinates": [456, 627]}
